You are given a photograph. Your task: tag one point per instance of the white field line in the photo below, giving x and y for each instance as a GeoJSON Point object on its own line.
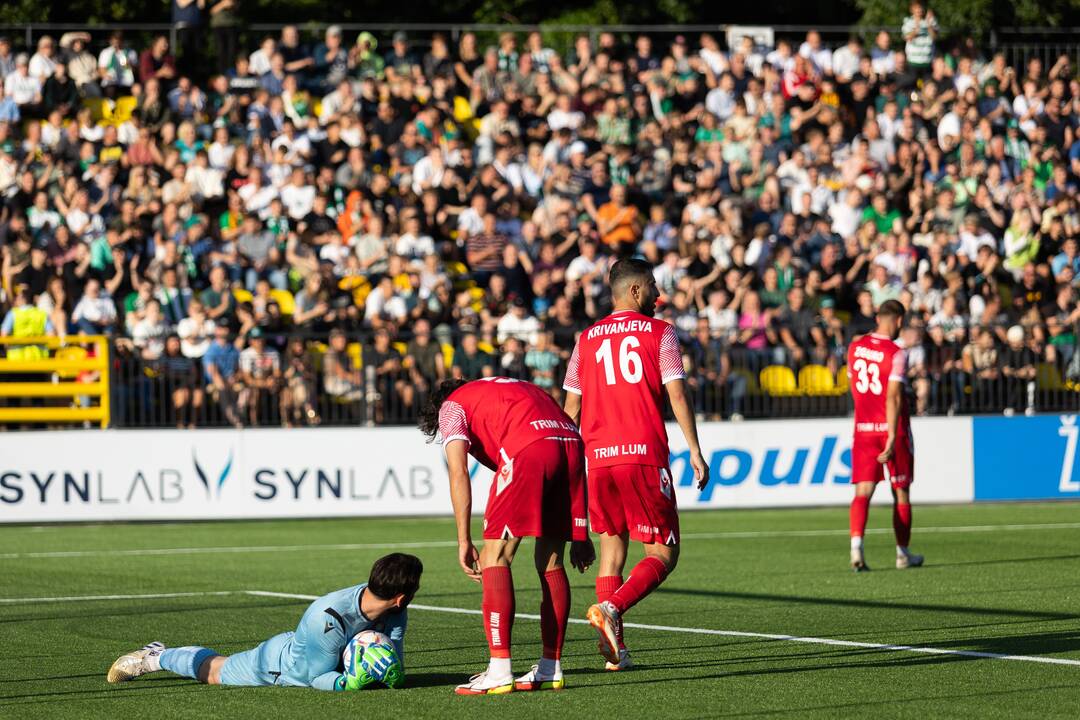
{"type": "Point", "coordinates": [89, 598]}
{"type": "Point", "coordinates": [738, 633]}
{"type": "Point", "coordinates": [526, 616]}
{"type": "Point", "coordinates": [732, 535]}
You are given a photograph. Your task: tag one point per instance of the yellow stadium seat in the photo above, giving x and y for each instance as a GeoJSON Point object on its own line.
{"type": "Point", "coordinates": [817, 380]}
{"type": "Point", "coordinates": [316, 108]}
{"type": "Point", "coordinates": [316, 351]}
{"type": "Point", "coordinates": [355, 351]}
{"type": "Point", "coordinates": [778, 380]}
{"type": "Point", "coordinates": [448, 354]}
{"type": "Point", "coordinates": [125, 108]}
{"type": "Point", "coordinates": [1047, 377]}
{"type": "Point", "coordinates": [70, 352]}
{"type": "Point", "coordinates": [242, 295]}
{"type": "Point", "coordinates": [100, 108]}
{"type": "Point", "coordinates": [842, 380]}
{"type": "Point", "coordinates": [401, 348]}
{"type": "Point", "coordinates": [485, 346]}
{"type": "Point", "coordinates": [285, 301]}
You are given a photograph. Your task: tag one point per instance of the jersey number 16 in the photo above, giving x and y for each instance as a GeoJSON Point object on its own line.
{"type": "Point", "coordinates": [629, 360]}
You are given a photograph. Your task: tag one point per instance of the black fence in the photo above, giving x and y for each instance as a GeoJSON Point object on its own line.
{"type": "Point", "coordinates": [355, 387]}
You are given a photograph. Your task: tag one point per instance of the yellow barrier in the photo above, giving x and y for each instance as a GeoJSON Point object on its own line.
{"type": "Point", "coordinates": [67, 385]}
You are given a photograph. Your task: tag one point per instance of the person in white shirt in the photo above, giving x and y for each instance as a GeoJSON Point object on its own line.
{"type": "Point", "coordinates": [22, 87]}
{"type": "Point", "coordinates": [411, 244]}
{"type": "Point", "coordinates": [721, 100]}
{"type": "Point", "coordinates": [298, 196]}
{"type": "Point", "coordinates": [196, 331]}
{"type": "Point", "coordinates": [428, 171]}
{"type": "Point", "coordinates": [95, 312]}
{"type": "Point", "coordinates": [588, 268]}
{"type": "Point", "coordinates": [972, 237]}
{"type": "Point", "coordinates": [847, 215]}
{"type": "Point", "coordinates": [116, 65]}
{"type": "Point", "coordinates": [563, 116]}
{"type": "Point", "coordinates": [845, 60]}
{"type": "Point", "coordinates": [259, 61]}
{"type": "Point", "coordinates": [518, 323]}
{"type": "Point", "coordinates": [221, 150]}
{"type": "Point", "coordinates": [882, 59]}
{"type": "Point", "coordinates": [471, 219]}
{"type": "Point", "coordinates": [43, 64]}
{"type": "Point", "coordinates": [257, 195]}
{"type": "Point", "coordinates": [1027, 107]}
{"type": "Point", "coordinates": [206, 183]}
{"type": "Point", "coordinates": [817, 53]}
{"type": "Point", "coordinates": [382, 303]}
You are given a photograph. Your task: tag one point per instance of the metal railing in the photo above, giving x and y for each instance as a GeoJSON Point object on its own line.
{"type": "Point", "coordinates": [55, 380]}
{"type": "Point", "coordinates": [734, 383]}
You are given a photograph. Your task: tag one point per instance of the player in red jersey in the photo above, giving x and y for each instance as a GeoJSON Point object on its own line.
{"type": "Point", "coordinates": [883, 448]}
{"type": "Point", "coordinates": [520, 432]}
{"type": "Point", "coordinates": [616, 380]}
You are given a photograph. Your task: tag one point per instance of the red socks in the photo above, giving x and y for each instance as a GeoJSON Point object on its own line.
{"type": "Point", "coordinates": [860, 506]}
{"type": "Point", "coordinates": [606, 585]}
{"type": "Point", "coordinates": [498, 608]}
{"type": "Point", "coordinates": [644, 578]}
{"type": "Point", "coordinates": [901, 522]}
{"type": "Point", "coordinates": [554, 611]}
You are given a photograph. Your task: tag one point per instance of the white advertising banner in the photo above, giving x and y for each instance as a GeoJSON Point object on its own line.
{"type": "Point", "coordinates": [324, 472]}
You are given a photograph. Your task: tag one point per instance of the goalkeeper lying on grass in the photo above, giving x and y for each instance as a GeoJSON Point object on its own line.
{"type": "Point", "coordinates": [310, 656]}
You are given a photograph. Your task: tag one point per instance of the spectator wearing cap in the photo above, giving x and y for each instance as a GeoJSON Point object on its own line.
{"type": "Point", "coordinates": [23, 88]}
{"type": "Point", "coordinates": [43, 63]}
{"type": "Point", "coordinates": [400, 61]}
{"type": "Point", "coordinates": [260, 374]}
{"type": "Point", "coordinates": [331, 62]}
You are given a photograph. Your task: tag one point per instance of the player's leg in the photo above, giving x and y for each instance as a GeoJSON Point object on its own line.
{"type": "Point", "coordinates": [900, 476]}
{"type": "Point", "coordinates": [649, 508]}
{"type": "Point", "coordinates": [497, 609]}
{"type": "Point", "coordinates": [613, 550]}
{"type": "Point", "coordinates": [866, 472]}
{"type": "Point", "coordinates": [191, 661]}
{"type": "Point", "coordinates": [554, 616]}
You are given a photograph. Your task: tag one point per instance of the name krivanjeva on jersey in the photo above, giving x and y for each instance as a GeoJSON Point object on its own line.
{"type": "Point", "coordinates": [623, 326]}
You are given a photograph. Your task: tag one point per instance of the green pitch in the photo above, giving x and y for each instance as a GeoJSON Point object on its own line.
{"type": "Point", "coordinates": [1011, 591]}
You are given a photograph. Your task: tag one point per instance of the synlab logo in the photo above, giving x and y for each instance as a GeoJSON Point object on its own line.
{"type": "Point", "coordinates": [215, 489]}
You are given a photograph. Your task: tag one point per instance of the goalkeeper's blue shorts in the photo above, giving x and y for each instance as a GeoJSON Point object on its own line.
{"type": "Point", "coordinates": [262, 665]}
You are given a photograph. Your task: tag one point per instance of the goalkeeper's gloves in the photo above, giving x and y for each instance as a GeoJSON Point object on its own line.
{"type": "Point", "coordinates": [359, 681]}
{"type": "Point", "coordinates": [377, 661]}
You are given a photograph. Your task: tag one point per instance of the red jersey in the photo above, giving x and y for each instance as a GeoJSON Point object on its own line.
{"type": "Point", "coordinates": [619, 367]}
{"type": "Point", "coordinates": [873, 361]}
{"type": "Point", "coordinates": [498, 417]}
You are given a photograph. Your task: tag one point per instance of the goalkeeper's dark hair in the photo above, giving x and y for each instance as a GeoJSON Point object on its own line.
{"type": "Point", "coordinates": [395, 574]}
{"type": "Point", "coordinates": [891, 308]}
{"type": "Point", "coordinates": [428, 421]}
{"type": "Point", "coordinates": [626, 271]}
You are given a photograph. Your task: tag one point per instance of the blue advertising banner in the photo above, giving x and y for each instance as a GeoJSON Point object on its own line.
{"type": "Point", "coordinates": [1026, 458]}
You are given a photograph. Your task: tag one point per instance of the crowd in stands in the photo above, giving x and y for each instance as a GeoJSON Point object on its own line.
{"type": "Point", "coordinates": [357, 219]}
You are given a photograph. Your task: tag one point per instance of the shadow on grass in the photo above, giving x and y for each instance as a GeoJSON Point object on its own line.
{"type": "Point", "coordinates": [872, 604]}
{"type": "Point", "coordinates": [127, 611]}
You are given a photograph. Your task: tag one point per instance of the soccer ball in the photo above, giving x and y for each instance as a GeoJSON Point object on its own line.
{"type": "Point", "coordinates": [354, 649]}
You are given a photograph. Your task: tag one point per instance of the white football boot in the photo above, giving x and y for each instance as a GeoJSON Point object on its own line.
{"type": "Point", "coordinates": [908, 560]}
{"type": "Point", "coordinates": [130, 666]}
{"type": "Point", "coordinates": [537, 680]}
{"type": "Point", "coordinates": [625, 663]}
{"type": "Point", "coordinates": [482, 684]}
{"type": "Point", "coordinates": [858, 561]}
{"type": "Point", "coordinates": [605, 620]}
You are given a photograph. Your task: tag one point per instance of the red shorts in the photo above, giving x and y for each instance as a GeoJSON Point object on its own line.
{"type": "Point", "coordinates": [539, 493]}
{"type": "Point", "coordinates": [899, 471]}
{"type": "Point", "coordinates": [638, 499]}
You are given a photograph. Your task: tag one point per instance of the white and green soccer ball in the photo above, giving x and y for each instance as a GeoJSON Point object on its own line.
{"type": "Point", "coordinates": [354, 649]}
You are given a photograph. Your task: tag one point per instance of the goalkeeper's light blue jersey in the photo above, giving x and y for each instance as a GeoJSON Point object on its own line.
{"type": "Point", "coordinates": [310, 656]}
